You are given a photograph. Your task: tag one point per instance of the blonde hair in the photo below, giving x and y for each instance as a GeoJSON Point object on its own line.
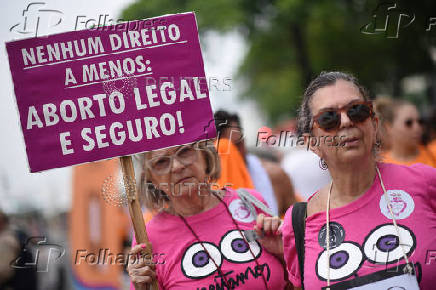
{"type": "Point", "coordinates": [154, 198]}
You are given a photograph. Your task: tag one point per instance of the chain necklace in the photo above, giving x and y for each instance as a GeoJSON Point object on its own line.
{"type": "Point", "coordinates": [207, 252]}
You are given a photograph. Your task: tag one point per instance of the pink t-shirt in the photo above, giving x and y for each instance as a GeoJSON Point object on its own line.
{"type": "Point", "coordinates": [183, 263]}
{"type": "Point", "coordinates": [367, 251]}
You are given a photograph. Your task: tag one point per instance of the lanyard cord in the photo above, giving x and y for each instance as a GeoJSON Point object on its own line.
{"type": "Point", "coordinates": [204, 248]}
{"type": "Point", "coordinates": [240, 232]}
{"type": "Point", "coordinates": [408, 268]}
{"type": "Point", "coordinates": [328, 235]}
{"type": "Point", "coordinates": [243, 236]}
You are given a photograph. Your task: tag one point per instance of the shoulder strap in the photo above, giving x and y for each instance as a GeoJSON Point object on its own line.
{"type": "Point", "coordinates": [299, 225]}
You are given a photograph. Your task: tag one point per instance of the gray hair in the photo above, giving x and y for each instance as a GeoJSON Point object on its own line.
{"type": "Point", "coordinates": [324, 79]}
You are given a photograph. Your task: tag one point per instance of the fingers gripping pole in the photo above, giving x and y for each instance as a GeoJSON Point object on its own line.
{"type": "Point", "coordinates": [135, 209]}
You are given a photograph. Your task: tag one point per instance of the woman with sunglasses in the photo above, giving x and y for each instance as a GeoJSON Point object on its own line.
{"type": "Point", "coordinates": [404, 127]}
{"type": "Point", "coordinates": [373, 225]}
{"type": "Point", "coordinates": [198, 235]}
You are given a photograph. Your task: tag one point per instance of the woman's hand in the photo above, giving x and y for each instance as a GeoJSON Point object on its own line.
{"type": "Point", "coordinates": [141, 270]}
{"type": "Point", "coordinates": [268, 228]}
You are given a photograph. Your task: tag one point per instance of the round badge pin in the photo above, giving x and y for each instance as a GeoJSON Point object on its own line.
{"type": "Point", "coordinates": [337, 235]}
{"type": "Point", "coordinates": [401, 202]}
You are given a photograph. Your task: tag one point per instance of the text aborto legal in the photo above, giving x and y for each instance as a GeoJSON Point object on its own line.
{"type": "Point", "coordinates": [89, 107]}
{"type": "Point", "coordinates": [90, 95]}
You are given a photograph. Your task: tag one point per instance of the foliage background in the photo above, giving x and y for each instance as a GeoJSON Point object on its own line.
{"type": "Point", "coordinates": [291, 41]}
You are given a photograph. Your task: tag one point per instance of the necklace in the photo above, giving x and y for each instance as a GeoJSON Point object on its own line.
{"type": "Point", "coordinates": [207, 252]}
{"type": "Point", "coordinates": [171, 209]}
{"type": "Point", "coordinates": [408, 268]}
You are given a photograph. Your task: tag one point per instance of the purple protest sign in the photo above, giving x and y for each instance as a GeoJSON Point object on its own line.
{"type": "Point", "coordinates": [112, 91]}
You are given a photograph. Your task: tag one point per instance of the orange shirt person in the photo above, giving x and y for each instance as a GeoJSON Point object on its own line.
{"type": "Point", "coordinates": [234, 173]}
{"type": "Point", "coordinates": [425, 156]}
{"type": "Point", "coordinates": [432, 147]}
{"type": "Point", "coordinates": [403, 124]}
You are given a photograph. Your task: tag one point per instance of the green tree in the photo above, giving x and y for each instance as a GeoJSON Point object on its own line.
{"type": "Point", "coordinates": [290, 41]}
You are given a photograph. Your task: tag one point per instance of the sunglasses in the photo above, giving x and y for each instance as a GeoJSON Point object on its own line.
{"type": "Point", "coordinates": [330, 119]}
{"type": "Point", "coordinates": [409, 122]}
{"type": "Point", "coordinates": [161, 165]}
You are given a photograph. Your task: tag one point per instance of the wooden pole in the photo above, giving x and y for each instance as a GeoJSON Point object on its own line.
{"type": "Point", "coordinates": [135, 209]}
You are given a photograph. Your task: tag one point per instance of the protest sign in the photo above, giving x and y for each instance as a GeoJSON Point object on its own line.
{"type": "Point", "coordinates": [111, 91]}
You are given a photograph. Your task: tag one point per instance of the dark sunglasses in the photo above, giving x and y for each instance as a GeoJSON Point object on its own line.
{"type": "Point", "coordinates": [330, 119]}
{"type": "Point", "coordinates": [409, 122]}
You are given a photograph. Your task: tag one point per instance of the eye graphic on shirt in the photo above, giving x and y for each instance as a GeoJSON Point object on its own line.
{"type": "Point", "coordinates": [196, 263]}
{"type": "Point", "coordinates": [345, 261]}
{"type": "Point", "coordinates": [382, 245]}
{"type": "Point", "coordinates": [237, 250]}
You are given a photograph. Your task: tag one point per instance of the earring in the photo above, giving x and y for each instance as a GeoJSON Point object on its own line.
{"type": "Point", "coordinates": [322, 164]}
{"type": "Point", "coordinates": [151, 189]}
{"type": "Point", "coordinates": [378, 144]}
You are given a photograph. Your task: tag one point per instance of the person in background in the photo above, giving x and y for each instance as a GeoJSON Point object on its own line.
{"type": "Point", "coordinates": [305, 170]}
{"type": "Point", "coordinates": [234, 172]}
{"type": "Point", "coordinates": [403, 125]}
{"type": "Point", "coordinates": [267, 176]}
{"type": "Point", "coordinates": [281, 183]}
{"type": "Point", "coordinates": [13, 252]}
{"type": "Point", "coordinates": [9, 249]}
{"type": "Point", "coordinates": [300, 164]}
{"type": "Point", "coordinates": [431, 131]}
{"type": "Point", "coordinates": [382, 109]}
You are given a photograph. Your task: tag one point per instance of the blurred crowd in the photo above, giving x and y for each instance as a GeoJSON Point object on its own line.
{"type": "Point", "coordinates": [282, 171]}
{"type": "Point", "coordinates": [30, 245]}
{"type": "Point", "coordinates": [286, 171]}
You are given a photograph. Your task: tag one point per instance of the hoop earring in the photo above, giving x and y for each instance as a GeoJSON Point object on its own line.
{"type": "Point", "coordinates": [322, 164]}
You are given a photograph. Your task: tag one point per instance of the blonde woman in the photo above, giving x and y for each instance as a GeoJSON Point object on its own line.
{"type": "Point", "coordinates": [198, 233]}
